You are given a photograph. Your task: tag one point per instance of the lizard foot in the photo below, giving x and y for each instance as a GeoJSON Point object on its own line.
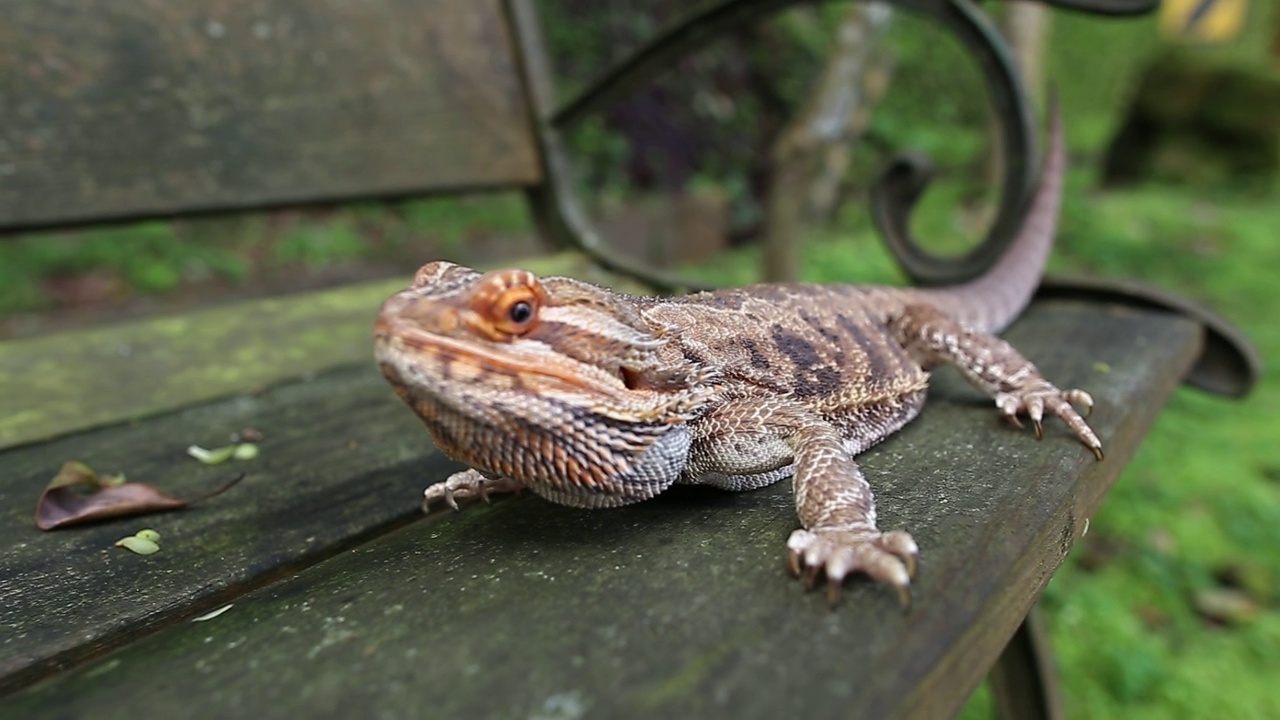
{"type": "Point", "coordinates": [889, 558]}
{"type": "Point", "coordinates": [1042, 395]}
{"type": "Point", "coordinates": [466, 485]}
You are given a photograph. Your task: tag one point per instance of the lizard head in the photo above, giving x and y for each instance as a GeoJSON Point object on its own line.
{"type": "Point", "coordinates": [558, 384]}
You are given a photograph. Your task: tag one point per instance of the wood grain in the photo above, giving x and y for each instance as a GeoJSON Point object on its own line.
{"type": "Point", "coordinates": [675, 606]}
{"type": "Point", "coordinates": [341, 459]}
{"type": "Point", "coordinates": [144, 107]}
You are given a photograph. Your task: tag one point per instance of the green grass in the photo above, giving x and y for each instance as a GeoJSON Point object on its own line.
{"type": "Point", "coordinates": [1202, 499]}
{"type": "Point", "coordinates": [147, 258]}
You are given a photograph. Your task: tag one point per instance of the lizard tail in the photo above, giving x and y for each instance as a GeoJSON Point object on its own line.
{"type": "Point", "coordinates": [991, 301]}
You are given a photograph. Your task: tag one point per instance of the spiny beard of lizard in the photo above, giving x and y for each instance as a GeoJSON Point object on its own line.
{"type": "Point", "coordinates": [552, 383]}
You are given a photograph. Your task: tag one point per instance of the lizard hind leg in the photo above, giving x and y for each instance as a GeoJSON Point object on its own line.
{"type": "Point", "coordinates": [995, 367]}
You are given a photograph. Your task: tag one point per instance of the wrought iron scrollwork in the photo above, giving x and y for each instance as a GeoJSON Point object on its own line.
{"type": "Point", "coordinates": [561, 213]}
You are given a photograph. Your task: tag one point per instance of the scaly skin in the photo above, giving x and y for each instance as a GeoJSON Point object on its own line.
{"type": "Point", "coordinates": [596, 399]}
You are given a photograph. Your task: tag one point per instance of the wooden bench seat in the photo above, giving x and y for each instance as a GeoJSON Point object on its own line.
{"type": "Point", "coordinates": [681, 604]}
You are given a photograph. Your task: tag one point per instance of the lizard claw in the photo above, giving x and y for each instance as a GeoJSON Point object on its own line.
{"type": "Point", "coordinates": [1081, 398]}
{"type": "Point", "coordinates": [466, 485]}
{"type": "Point", "coordinates": [1039, 396]}
{"type": "Point", "coordinates": [888, 558]}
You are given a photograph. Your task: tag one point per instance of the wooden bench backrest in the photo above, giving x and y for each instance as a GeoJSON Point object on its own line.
{"type": "Point", "coordinates": [135, 108]}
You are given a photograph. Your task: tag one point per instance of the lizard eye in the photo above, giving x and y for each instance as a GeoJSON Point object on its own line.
{"type": "Point", "coordinates": [508, 301]}
{"type": "Point", "coordinates": [520, 313]}
{"type": "Point", "coordinates": [515, 310]}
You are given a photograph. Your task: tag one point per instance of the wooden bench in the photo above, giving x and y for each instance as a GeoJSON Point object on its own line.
{"type": "Point", "coordinates": [343, 598]}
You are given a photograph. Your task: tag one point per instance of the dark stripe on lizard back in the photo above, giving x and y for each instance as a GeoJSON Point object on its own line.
{"type": "Point", "coordinates": [835, 341]}
{"type": "Point", "coordinates": [814, 376]}
{"type": "Point", "coordinates": [759, 359]}
{"type": "Point", "coordinates": [879, 362]}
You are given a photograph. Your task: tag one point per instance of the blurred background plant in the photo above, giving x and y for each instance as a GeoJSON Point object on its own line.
{"type": "Point", "coordinates": [1170, 606]}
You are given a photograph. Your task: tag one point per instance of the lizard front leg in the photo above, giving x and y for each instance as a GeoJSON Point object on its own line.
{"type": "Point", "coordinates": [466, 485]}
{"type": "Point", "coordinates": [995, 367]}
{"type": "Point", "coordinates": [838, 514]}
{"type": "Point", "coordinates": [744, 445]}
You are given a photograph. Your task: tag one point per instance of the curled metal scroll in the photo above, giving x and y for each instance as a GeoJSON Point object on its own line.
{"type": "Point", "coordinates": [900, 185]}
{"type": "Point", "coordinates": [904, 180]}
{"type": "Point", "coordinates": [561, 213]}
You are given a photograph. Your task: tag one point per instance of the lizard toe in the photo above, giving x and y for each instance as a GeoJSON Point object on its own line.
{"type": "Point", "coordinates": [1043, 398]}
{"type": "Point", "coordinates": [887, 558]}
{"type": "Point", "coordinates": [466, 485]}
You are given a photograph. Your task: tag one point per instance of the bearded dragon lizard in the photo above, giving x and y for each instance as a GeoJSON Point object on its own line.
{"type": "Point", "coordinates": [596, 399]}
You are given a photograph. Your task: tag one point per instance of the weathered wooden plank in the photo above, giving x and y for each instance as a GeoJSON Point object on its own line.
{"type": "Point", "coordinates": [679, 605]}
{"type": "Point", "coordinates": [341, 458]}
{"type": "Point", "coordinates": [143, 107]}
{"type": "Point", "coordinates": [72, 381]}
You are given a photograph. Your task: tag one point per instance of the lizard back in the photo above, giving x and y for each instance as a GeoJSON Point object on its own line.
{"type": "Point", "coordinates": [819, 344]}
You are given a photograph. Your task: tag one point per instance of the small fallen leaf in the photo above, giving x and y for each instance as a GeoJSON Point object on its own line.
{"type": "Point", "coordinates": [213, 614]}
{"type": "Point", "coordinates": [79, 495]}
{"type": "Point", "coordinates": [148, 534]}
{"type": "Point", "coordinates": [245, 451]}
{"type": "Point", "coordinates": [212, 457]}
{"type": "Point", "coordinates": [141, 546]}
{"type": "Point", "coordinates": [1102, 367]}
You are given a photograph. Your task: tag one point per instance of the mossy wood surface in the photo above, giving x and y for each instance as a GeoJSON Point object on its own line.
{"type": "Point", "coordinates": [341, 458]}
{"type": "Point", "coordinates": [65, 382]}
{"type": "Point", "coordinates": [128, 108]}
{"type": "Point", "coordinates": [676, 606]}
{"type": "Point", "coordinates": [70, 381]}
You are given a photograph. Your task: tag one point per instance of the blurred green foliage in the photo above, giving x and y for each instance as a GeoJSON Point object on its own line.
{"type": "Point", "coordinates": [315, 245]}
{"type": "Point", "coordinates": [146, 257]}
{"type": "Point", "coordinates": [450, 224]}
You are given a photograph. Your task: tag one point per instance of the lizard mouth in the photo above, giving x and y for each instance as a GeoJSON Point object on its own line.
{"type": "Point", "coordinates": [407, 345]}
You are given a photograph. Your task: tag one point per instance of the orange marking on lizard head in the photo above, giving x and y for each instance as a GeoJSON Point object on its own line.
{"type": "Point", "coordinates": [505, 304]}
{"type": "Point", "coordinates": [455, 325]}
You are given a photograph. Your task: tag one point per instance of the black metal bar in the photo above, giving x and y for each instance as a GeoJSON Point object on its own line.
{"type": "Point", "coordinates": [903, 181]}
{"type": "Point", "coordinates": [1023, 681]}
{"type": "Point", "coordinates": [693, 31]}
{"type": "Point", "coordinates": [1229, 364]}
{"type": "Point", "coordinates": [1110, 8]}
{"type": "Point", "coordinates": [557, 209]}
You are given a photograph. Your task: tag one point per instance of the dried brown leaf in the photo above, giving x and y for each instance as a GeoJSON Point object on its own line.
{"type": "Point", "coordinates": [79, 495]}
